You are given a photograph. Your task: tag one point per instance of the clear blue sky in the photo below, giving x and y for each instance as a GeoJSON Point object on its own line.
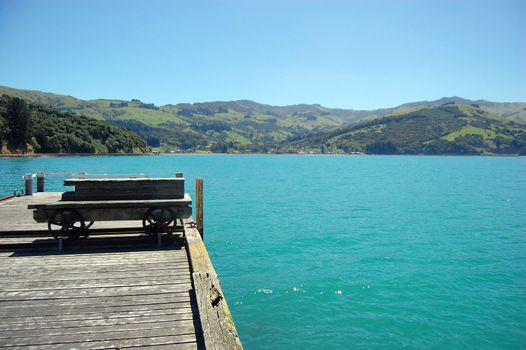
{"type": "Point", "coordinates": [348, 54]}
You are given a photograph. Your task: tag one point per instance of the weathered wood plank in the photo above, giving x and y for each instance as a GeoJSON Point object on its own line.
{"type": "Point", "coordinates": [71, 320]}
{"type": "Point", "coordinates": [49, 276]}
{"type": "Point", "coordinates": [74, 287]}
{"type": "Point", "coordinates": [52, 275]}
{"type": "Point", "coordinates": [118, 261]}
{"type": "Point", "coordinates": [175, 253]}
{"type": "Point", "coordinates": [80, 266]}
{"type": "Point", "coordinates": [178, 248]}
{"type": "Point", "coordinates": [88, 302]}
{"type": "Point", "coordinates": [96, 325]}
{"type": "Point", "coordinates": [105, 273]}
{"type": "Point", "coordinates": [119, 338]}
{"type": "Point", "coordinates": [27, 266]}
{"type": "Point", "coordinates": [76, 266]}
{"type": "Point", "coordinates": [92, 292]}
{"type": "Point", "coordinates": [174, 342]}
{"type": "Point", "coordinates": [185, 325]}
{"type": "Point", "coordinates": [85, 274]}
{"type": "Point", "coordinates": [170, 253]}
{"type": "Point", "coordinates": [218, 326]}
{"type": "Point", "coordinates": [179, 346]}
{"type": "Point", "coordinates": [107, 262]}
{"type": "Point", "coordinates": [66, 299]}
{"type": "Point", "coordinates": [139, 254]}
{"type": "Point", "coordinates": [49, 315]}
{"type": "Point", "coordinates": [27, 282]}
{"type": "Point", "coordinates": [62, 312]}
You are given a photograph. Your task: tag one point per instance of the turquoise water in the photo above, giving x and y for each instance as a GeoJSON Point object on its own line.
{"type": "Point", "coordinates": [334, 252]}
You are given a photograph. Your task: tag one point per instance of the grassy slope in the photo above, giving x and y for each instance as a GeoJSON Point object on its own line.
{"type": "Point", "coordinates": [471, 130]}
{"type": "Point", "coordinates": [449, 129]}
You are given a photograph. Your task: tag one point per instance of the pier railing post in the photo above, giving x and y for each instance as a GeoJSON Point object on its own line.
{"type": "Point", "coordinates": [40, 181]}
{"type": "Point", "coordinates": [28, 179]}
{"type": "Point", "coordinates": [199, 213]}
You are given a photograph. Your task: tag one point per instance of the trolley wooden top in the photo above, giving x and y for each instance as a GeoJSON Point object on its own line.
{"type": "Point", "coordinates": [124, 189]}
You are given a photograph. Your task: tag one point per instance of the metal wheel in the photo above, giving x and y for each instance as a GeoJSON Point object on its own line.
{"type": "Point", "coordinates": [158, 220]}
{"type": "Point", "coordinates": [66, 223]}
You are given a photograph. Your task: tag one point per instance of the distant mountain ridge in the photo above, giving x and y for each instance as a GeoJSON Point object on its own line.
{"type": "Point", "coordinates": [515, 111]}
{"type": "Point", "coordinates": [243, 125]}
{"type": "Point", "coordinates": [95, 108]}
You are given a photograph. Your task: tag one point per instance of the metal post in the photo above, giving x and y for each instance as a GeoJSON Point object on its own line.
{"type": "Point", "coordinates": [28, 179]}
{"type": "Point", "coordinates": [40, 181]}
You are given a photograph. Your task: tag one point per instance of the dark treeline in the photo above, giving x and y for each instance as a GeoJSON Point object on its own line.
{"type": "Point", "coordinates": [28, 127]}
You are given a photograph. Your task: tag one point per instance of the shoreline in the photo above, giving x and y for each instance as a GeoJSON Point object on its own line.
{"type": "Point", "coordinates": [63, 155]}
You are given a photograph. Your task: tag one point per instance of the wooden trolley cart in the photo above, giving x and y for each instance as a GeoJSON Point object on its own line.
{"type": "Point", "coordinates": [159, 203]}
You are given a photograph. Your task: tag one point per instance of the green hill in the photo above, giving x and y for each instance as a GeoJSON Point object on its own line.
{"type": "Point", "coordinates": [234, 125]}
{"type": "Point", "coordinates": [225, 126]}
{"type": "Point", "coordinates": [445, 129]}
{"type": "Point", "coordinates": [28, 127]}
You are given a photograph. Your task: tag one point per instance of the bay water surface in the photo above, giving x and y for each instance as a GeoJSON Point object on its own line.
{"type": "Point", "coordinates": [337, 252]}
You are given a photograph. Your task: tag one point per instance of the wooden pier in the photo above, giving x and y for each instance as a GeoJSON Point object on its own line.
{"type": "Point", "coordinates": [116, 289]}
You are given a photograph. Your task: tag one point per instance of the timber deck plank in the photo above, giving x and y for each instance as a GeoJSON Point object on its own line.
{"type": "Point", "coordinates": [106, 312]}
{"type": "Point", "coordinates": [94, 297]}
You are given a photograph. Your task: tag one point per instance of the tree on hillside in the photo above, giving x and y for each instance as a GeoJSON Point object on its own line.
{"type": "Point", "coordinates": [2, 128]}
{"type": "Point", "coordinates": [380, 148]}
{"type": "Point", "coordinates": [18, 124]}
